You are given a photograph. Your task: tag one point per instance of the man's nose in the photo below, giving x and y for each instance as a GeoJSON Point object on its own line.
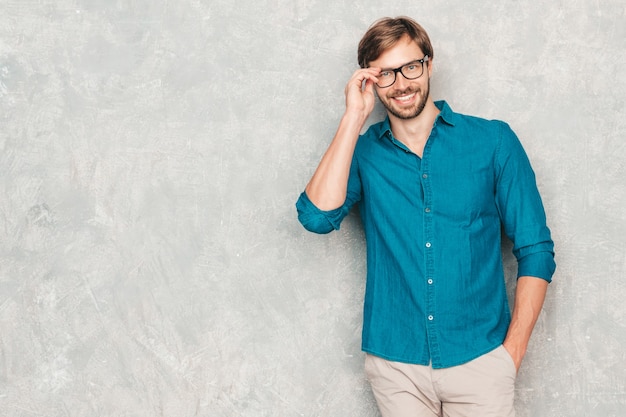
{"type": "Point", "coordinates": [401, 80]}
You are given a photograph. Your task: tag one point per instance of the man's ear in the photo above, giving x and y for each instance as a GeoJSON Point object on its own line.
{"type": "Point", "coordinates": [430, 67]}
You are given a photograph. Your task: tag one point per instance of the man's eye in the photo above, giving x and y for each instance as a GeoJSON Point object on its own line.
{"type": "Point", "coordinates": [385, 74]}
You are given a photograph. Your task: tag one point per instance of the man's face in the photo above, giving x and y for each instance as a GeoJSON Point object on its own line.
{"type": "Point", "coordinates": [404, 99]}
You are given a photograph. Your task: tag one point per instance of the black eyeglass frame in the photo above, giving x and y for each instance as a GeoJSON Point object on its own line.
{"type": "Point", "coordinates": [399, 70]}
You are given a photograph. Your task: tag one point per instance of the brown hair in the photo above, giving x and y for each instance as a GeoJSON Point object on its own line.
{"type": "Point", "coordinates": [386, 32]}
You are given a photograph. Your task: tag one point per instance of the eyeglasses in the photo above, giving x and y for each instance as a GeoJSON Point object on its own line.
{"type": "Point", "coordinates": [410, 71]}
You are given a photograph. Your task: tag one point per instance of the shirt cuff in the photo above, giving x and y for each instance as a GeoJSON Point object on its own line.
{"type": "Point", "coordinates": [540, 265]}
{"type": "Point", "coordinates": [315, 220]}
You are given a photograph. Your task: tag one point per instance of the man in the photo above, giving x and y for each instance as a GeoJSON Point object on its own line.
{"type": "Point", "coordinates": [434, 188]}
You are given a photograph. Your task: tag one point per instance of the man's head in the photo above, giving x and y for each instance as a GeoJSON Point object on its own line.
{"type": "Point", "coordinates": [401, 49]}
{"type": "Point", "coordinates": [386, 32]}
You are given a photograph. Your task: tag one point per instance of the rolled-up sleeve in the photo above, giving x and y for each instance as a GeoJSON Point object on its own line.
{"type": "Point", "coordinates": [319, 221]}
{"type": "Point", "coordinates": [538, 263]}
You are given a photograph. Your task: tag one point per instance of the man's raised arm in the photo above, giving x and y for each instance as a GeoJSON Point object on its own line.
{"type": "Point", "coordinates": [328, 186]}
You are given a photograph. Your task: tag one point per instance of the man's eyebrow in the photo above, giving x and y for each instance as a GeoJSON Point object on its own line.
{"type": "Point", "coordinates": [389, 69]}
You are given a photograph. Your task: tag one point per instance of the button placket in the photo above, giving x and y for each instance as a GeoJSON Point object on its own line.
{"type": "Point", "coordinates": [429, 242]}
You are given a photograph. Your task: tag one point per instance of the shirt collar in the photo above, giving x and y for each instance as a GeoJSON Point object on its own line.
{"type": "Point", "coordinates": [445, 114]}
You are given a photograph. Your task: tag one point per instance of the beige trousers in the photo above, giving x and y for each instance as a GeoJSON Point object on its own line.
{"type": "Point", "coordinates": [483, 387]}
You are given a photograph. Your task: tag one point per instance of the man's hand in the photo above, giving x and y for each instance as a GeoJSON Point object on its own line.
{"type": "Point", "coordinates": [517, 353]}
{"type": "Point", "coordinates": [359, 92]}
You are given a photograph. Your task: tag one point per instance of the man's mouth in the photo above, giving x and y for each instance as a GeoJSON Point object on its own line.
{"type": "Point", "coordinates": [405, 98]}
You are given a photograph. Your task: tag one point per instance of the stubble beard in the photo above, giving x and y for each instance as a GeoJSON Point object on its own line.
{"type": "Point", "coordinates": [412, 112]}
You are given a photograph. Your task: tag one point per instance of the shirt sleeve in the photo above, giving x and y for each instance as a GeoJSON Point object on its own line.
{"type": "Point", "coordinates": [320, 221]}
{"type": "Point", "coordinates": [521, 209]}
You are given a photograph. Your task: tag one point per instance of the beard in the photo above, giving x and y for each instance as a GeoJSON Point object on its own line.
{"type": "Point", "coordinates": [411, 112]}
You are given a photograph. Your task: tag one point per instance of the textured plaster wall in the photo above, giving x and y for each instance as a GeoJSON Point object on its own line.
{"type": "Point", "coordinates": [151, 152]}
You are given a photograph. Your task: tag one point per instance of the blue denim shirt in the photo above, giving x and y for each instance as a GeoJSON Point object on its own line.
{"type": "Point", "coordinates": [435, 289]}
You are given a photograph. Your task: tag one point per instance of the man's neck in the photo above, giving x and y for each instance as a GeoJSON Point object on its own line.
{"type": "Point", "coordinates": [415, 132]}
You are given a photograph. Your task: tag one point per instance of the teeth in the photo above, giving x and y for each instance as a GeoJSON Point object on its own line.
{"type": "Point", "coordinates": [405, 98]}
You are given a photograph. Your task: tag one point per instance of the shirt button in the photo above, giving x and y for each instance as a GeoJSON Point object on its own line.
{"type": "Point", "coordinates": [424, 176]}
{"type": "Point", "coordinates": [427, 209]}
{"type": "Point", "coordinates": [428, 245]}
{"type": "Point", "coordinates": [430, 281]}
{"type": "Point", "coordinates": [430, 318]}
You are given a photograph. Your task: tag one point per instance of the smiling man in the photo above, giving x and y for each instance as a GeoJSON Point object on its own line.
{"type": "Point", "coordinates": [435, 189]}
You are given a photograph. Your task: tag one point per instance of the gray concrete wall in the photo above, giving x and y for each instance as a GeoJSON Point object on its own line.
{"type": "Point", "coordinates": [151, 153]}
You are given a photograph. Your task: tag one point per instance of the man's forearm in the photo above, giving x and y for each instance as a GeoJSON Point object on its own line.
{"type": "Point", "coordinates": [529, 297]}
